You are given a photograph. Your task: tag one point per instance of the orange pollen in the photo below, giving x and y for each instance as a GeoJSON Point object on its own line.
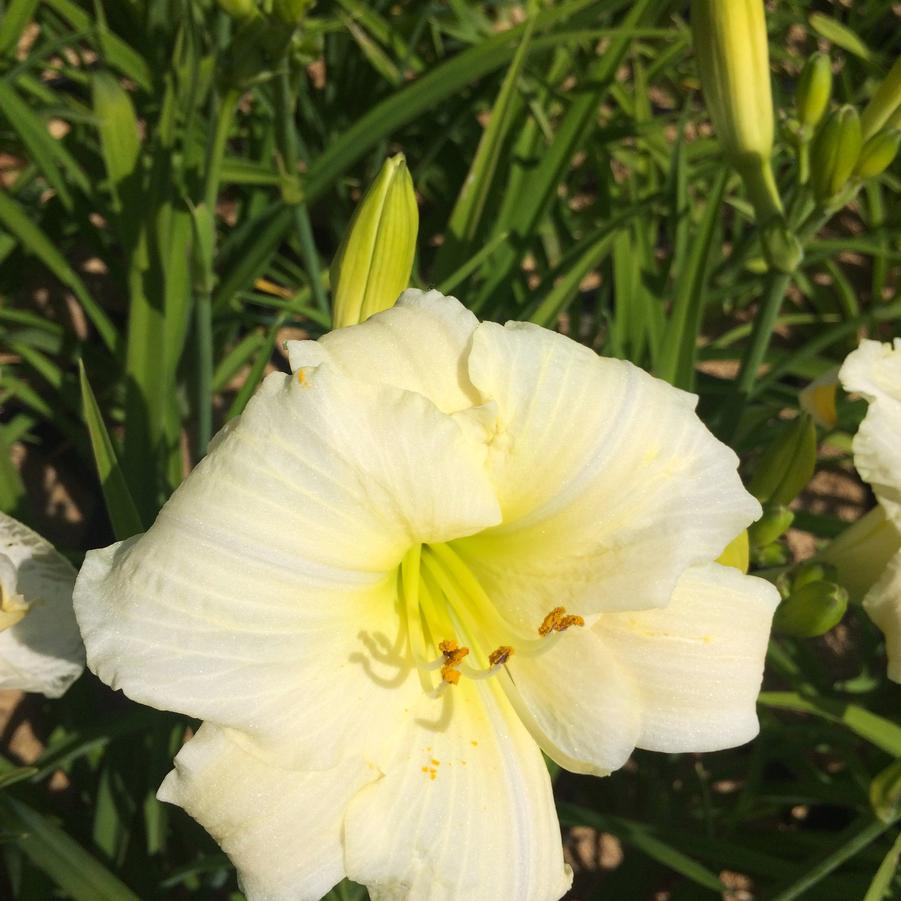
{"type": "Point", "coordinates": [558, 620]}
{"type": "Point", "coordinates": [453, 655]}
{"type": "Point", "coordinates": [500, 656]}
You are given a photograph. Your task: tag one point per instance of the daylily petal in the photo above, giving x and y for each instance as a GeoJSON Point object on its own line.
{"type": "Point", "coordinates": [883, 604]}
{"type": "Point", "coordinates": [874, 371]}
{"type": "Point", "coordinates": [264, 595]}
{"type": "Point", "coordinates": [418, 345]}
{"type": "Point", "coordinates": [698, 662]}
{"type": "Point", "coordinates": [281, 828]}
{"type": "Point", "coordinates": [609, 483]}
{"type": "Point", "coordinates": [580, 705]}
{"type": "Point", "coordinates": [464, 810]}
{"type": "Point", "coordinates": [42, 651]}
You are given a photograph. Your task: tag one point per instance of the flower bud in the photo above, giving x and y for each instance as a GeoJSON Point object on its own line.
{"type": "Point", "coordinates": [811, 571]}
{"type": "Point", "coordinates": [834, 152]}
{"type": "Point", "coordinates": [373, 265]}
{"type": "Point", "coordinates": [730, 43]}
{"type": "Point", "coordinates": [814, 90]}
{"type": "Point", "coordinates": [861, 553]}
{"type": "Point", "coordinates": [885, 104]}
{"type": "Point", "coordinates": [788, 463]}
{"type": "Point", "coordinates": [240, 10]}
{"type": "Point", "coordinates": [737, 553]}
{"type": "Point", "coordinates": [812, 610]}
{"type": "Point", "coordinates": [885, 792]}
{"type": "Point", "coordinates": [291, 12]}
{"type": "Point", "coordinates": [781, 247]}
{"type": "Point", "coordinates": [775, 521]}
{"type": "Point", "coordinates": [877, 154]}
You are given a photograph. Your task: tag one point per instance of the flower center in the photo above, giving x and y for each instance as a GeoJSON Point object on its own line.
{"type": "Point", "coordinates": [455, 628]}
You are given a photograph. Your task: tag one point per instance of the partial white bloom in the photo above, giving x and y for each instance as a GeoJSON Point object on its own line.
{"type": "Point", "coordinates": [874, 371]}
{"type": "Point", "coordinates": [40, 648]}
{"type": "Point", "coordinates": [434, 549]}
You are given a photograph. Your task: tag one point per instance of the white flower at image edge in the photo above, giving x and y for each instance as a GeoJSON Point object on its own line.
{"type": "Point", "coordinates": [874, 372]}
{"type": "Point", "coordinates": [435, 550]}
{"type": "Point", "coordinates": [40, 648]}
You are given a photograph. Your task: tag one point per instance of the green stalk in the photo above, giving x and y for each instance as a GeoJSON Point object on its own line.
{"type": "Point", "coordinates": [203, 307]}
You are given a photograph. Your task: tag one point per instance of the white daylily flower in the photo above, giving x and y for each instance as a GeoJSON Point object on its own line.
{"type": "Point", "coordinates": [40, 648]}
{"type": "Point", "coordinates": [435, 548]}
{"type": "Point", "coordinates": [874, 371]}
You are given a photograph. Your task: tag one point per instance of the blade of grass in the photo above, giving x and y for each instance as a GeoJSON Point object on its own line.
{"type": "Point", "coordinates": [882, 881]}
{"type": "Point", "coordinates": [873, 728]}
{"type": "Point", "coordinates": [35, 241]}
{"type": "Point", "coordinates": [120, 506]}
{"type": "Point", "coordinates": [66, 862]}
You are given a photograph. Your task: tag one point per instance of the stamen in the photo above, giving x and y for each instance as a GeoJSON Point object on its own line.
{"type": "Point", "coordinates": [453, 656]}
{"type": "Point", "coordinates": [558, 620]}
{"type": "Point", "coordinates": [501, 655]}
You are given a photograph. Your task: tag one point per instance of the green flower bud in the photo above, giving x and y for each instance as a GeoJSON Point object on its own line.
{"type": "Point", "coordinates": [812, 610]}
{"type": "Point", "coordinates": [291, 12]}
{"type": "Point", "coordinates": [834, 152]}
{"type": "Point", "coordinates": [775, 521]}
{"type": "Point", "coordinates": [861, 553]}
{"type": "Point", "coordinates": [788, 463]}
{"type": "Point", "coordinates": [885, 792]}
{"type": "Point", "coordinates": [781, 247]}
{"type": "Point", "coordinates": [730, 43]}
{"type": "Point", "coordinates": [884, 105]}
{"type": "Point", "coordinates": [373, 265]}
{"type": "Point", "coordinates": [812, 571]}
{"type": "Point", "coordinates": [241, 10]}
{"type": "Point", "coordinates": [877, 154]}
{"type": "Point", "coordinates": [814, 90]}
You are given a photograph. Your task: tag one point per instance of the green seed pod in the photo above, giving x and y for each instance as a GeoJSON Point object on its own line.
{"type": "Point", "coordinates": [373, 265]}
{"type": "Point", "coordinates": [834, 152]}
{"type": "Point", "coordinates": [775, 521]}
{"type": "Point", "coordinates": [814, 90]}
{"type": "Point", "coordinates": [781, 247]}
{"type": "Point", "coordinates": [885, 104]}
{"type": "Point", "coordinates": [812, 610]}
{"type": "Point", "coordinates": [788, 463]}
{"type": "Point", "coordinates": [877, 154]}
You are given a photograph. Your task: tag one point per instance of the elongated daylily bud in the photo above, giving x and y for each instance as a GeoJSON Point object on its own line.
{"type": "Point", "coordinates": [775, 521]}
{"type": "Point", "coordinates": [733, 57]}
{"type": "Point", "coordinates": [814, 90]}
{"type": "Point", "coordinates": [242, 10]}
{"type": "Point", "coordinates": [373, 265]}
{"type": "Point", "coordinates": [834, 152]}
{"type": "Point", "coordinates": [885, 104]}
{"type": "Point", "coordinates": [812, 610]}
{"type": "Point", "coordinates": [877, 154]}
{"type": "Point", "coordinates": [788, 463]}
{"type": "Point", "coordinates": [730, 43]}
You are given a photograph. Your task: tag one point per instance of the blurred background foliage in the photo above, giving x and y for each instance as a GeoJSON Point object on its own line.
{"type": "Point", "coordinates": [175, 178]}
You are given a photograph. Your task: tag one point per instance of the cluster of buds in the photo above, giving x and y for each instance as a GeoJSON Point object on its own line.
{"type": "Point", "coordinates": [265, 32]}
{"type": "Point", "coordinates": [839, 149]}
{"type": "Point", "coordinates": [836, 149]}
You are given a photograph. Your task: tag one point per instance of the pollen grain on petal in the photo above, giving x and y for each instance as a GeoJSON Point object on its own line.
{"type": "Point", "coordinates": [558, 620]}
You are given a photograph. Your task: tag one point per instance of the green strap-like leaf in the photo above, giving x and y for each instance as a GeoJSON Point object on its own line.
{"type": "Point", "coordinates": [80, 875]}
{"type": "Point", "coordinates": [121, 507]}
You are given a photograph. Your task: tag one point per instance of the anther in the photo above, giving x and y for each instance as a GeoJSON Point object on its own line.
{"type": "Point", "coordinates": [558, 620]}
{"type": "Point", "coordinates": [501, 655]}
{"type": "Point", "coordinates": [453, 656]}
